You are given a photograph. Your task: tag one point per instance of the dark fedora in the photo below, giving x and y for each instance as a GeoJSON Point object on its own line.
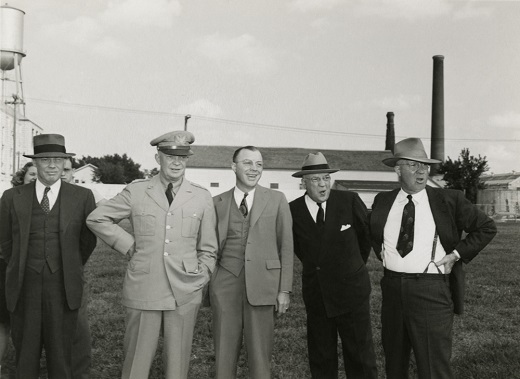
{"type": "Point", "coordinates": [174, 143]}
{"type": "Point", "coordinates": [49, 146]}
{"type": "Point", "coordinates": [411, 149]}
{"type": "Point", "coordinates": [314, 163]}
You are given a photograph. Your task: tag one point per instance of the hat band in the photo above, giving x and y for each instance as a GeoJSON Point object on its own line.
{"type": "Point", "coordinates": [49, 148]}
{"type": "Point", "coordinates": [316, 167]}
{"type": "Point", "coordinates": [172, 147]}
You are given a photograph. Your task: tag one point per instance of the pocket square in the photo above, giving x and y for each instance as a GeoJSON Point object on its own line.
{"type": "Point", "coordinates": [344, 227]}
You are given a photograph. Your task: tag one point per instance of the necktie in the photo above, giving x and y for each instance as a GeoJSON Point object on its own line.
{"type": "Point", "coordinates": [243, 205]}
{"type": "Point", "coordinates": [320, 216]}
{"type": "Point", "coordinates": [169, 194]}
{"type": "Point", "coordinates": [405, 240]}
{"type": "Point", "coordinates": [45, 201]}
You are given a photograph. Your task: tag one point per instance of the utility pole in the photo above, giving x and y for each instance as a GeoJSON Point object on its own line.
{"type": "Point", "coordinates": [16, 100]}
{"type": "Point", "coordinates": [186, 118]}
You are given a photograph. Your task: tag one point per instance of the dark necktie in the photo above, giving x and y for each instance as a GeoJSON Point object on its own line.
{"type": "Point", "coordinates": [405, 240]}
{"type": "Point", "coordinates": [45, 201]}
{"type": "Point", "coordinates": [169, 194]}
{"type": "Point", "coordinates": [243, 206]}
{"type": "Point", "coordinates": [320, 216]}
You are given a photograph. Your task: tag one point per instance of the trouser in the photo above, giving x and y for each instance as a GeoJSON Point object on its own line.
{"type": "Point", "coordinates": [417, 313]}
{"type": "Point", "coordinates": [143, 328]}
{"type": "Point", "coordinates": [234, 319]}
{"type": "Point", "coordinates": [82, 343]}
{"type": "Point", "coordinates": [42, 318]}
{"type": "Point", "coordinates": [355, 331]}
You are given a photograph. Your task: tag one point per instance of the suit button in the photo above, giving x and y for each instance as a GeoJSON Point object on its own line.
{"type": "Point", "coordinates": [165, 254]}
{"type": "Point", "coordinates": [168, 227]}
{"type": "Point", "coordinates": [167, 241]}
{"type": "Point", "coordinates": [317, 268]}
{"type": "Point", "coordinates": [169, 213]}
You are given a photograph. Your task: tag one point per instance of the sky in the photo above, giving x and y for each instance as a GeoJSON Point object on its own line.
{"type": "Point", "coordinates": [111, 75]}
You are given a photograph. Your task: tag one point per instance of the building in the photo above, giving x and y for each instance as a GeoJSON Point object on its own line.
{"type": "Point", "coordinates": [501, 194]}
{"type": "Point", "coordinates": [85, 174]}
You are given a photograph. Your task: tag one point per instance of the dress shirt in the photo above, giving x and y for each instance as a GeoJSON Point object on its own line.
{"type": "Point", "coordinates": [239, 195]}
{"type": "Point", "coordinates": [52, 195]}
{"type": "Point", "coordinates": [312, 206]}
{"type": "Point", "coordinates": [424, 232]}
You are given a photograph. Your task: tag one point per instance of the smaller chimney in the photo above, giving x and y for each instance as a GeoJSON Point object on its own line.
{"type": "Point", "coordinates": [390, 133]}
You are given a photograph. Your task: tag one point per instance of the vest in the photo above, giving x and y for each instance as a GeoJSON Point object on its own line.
{"type": "Point", "coordinates": [44, 238]}
{"type": "Point", "coordinates": [234, 249]}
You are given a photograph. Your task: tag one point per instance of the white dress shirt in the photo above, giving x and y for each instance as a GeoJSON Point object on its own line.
{"type": "Point", "coordinates": [312, 206]}
{"type": "Point", "coordinates": [239, 195]}
{"type": "Point", "coordinates": [52, 195]}
{"type": "Point", "coordinates": [424, 232]}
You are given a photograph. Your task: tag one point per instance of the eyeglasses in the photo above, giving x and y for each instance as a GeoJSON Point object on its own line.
{"type": "Point", "coordinates": [250, 164]}
{"type": "Point", "coordinates": [48, 161]}
{"type": "Point", "coordinates": [176, 158]}
{"type": "Point", "coordinates": [317, 179]}
{"type": "Point", "coordinates": [416, 166]}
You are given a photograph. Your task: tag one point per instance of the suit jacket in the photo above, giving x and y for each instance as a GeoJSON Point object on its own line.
{"type": "Point", "coordinates": [76, 241]}
{"type": "Point", "coordinates": [175, 245]}
{"type": "Point", "coordinates": [335, 278]}
{"type": "Point", "coordinates": [269, 250]}
{"type": "Point", "coordinates": [453, 214]}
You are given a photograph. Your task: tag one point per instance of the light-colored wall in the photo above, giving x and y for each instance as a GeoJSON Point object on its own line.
{"type": "Point", "coordinates": [84, 176]}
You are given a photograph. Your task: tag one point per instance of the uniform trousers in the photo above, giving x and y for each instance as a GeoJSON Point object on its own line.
{"type": "Point", "coordinates": [42, 318]}
{"type": "Point", "coordinates": [143, 328]}
{"type": "Point", "coordinates": [355, 331]}
{"type": "Point", "coordinates": [234, 318]}
{"type": "Point", "coordinates": [82, 343]}
{"type": "Point", "coordinates": [417, 314]}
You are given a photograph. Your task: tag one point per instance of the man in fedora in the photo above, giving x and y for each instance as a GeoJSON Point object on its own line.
{"type": "Point", "coordinates": [46, 243]}
{"type": "Point", "coordinates": [254, 274]}
{"type": "Point", "coordinates": [172, 253]}
{"type": "Point", "coordinates": [416, 232]}
{"type": "Point", "coordinates": [331, 239]}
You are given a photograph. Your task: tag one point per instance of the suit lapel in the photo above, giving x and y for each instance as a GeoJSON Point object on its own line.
{"type": "Point", "coordinates": [223, 207]}
{"type": "Point", "coordinates": [22, 203]}
{"type": "Point", "coordinates": [303, 216]}
{"type": "Point", "coordinates": [440, 214]}
{"type": "Point", "coordinates": [259, 203]}
{"type": "Point", "coordinates": [184, 194]}
{"type": "Point", "coordinates": [156, 191]}
{"type": "Point", "coordinates": [68, 205]}
{"type": "Point", "coordinates": [380, 214]}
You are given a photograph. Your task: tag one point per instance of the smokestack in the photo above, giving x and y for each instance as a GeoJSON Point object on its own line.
{"type": "Point", "coordinates": [390, 132]}
{"type": "Point", "coordinates": [437, 141]}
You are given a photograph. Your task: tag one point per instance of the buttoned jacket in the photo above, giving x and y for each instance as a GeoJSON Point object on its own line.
{"type": "Point", "coordinates": [175, 245]}
{"type": "Point", "coordinates": [335, 279]}
{"type": "Point", "coordinates": [76, 241]}
{"type": "Point", "coordinates": [269, 250]}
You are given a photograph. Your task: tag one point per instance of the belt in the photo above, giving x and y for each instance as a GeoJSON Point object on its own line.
{"type": "Point", "coordinates": [407, 275]}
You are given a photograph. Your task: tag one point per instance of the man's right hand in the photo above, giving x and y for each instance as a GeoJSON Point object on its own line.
{"type": "Point", "coordinates": [131, 251]}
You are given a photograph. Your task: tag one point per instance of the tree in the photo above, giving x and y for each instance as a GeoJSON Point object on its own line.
{"type": "Point", "coordinates": [464, 173]}
{"type": "Point", "coordinates": [114, 169]}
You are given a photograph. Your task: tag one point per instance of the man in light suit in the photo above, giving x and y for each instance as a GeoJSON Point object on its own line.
{"type": "Point", "coordinates": [417, 232]}
{"type": "Point", "coordinates": [172, 254]}
{"type": "Point", "coordinates": [46, 243]}
{"type": "Point", "coordinates": [330, 230]}
{"type": "Point", "coordinates": [255, 268]}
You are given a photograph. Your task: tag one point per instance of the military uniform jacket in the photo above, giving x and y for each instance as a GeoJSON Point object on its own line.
{"type": "Point", "coordinates": [175, 246]}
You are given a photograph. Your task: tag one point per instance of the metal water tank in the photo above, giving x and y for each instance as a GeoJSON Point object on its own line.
{"type": "Point", "coordinates": [11, 36]}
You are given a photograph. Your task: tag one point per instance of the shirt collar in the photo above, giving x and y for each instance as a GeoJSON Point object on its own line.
{"type": "Point", "coordinates": [418, 197]}
{"type": "Point", "coordinates": [239, 194]}
{"type": "Point", "coordinates": [55, 188]}
{"type": "Point", "coordinates": [312, 203]}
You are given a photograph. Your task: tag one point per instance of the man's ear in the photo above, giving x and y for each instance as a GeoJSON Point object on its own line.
{"type": "Point", "coordinates": [397, 169]}
{"type": "Point", "coordinates": [234, 167]}
{"type": "Point", "coordinates": [304, 185]}
{"type": "Point", "coordinates": [157, 159]}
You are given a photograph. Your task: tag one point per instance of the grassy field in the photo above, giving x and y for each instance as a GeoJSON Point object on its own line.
{"type": "Point", "coordinates": [486, 337]}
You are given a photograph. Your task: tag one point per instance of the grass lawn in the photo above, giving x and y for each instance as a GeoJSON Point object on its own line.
{"type": "Point", "coordinates": [486, 337]}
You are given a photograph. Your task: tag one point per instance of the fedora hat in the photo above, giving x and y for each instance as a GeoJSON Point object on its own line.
{"type": "Point", "coordinates": [314, 163]}
{"type": "Point", "coordinates": [175, 143]}
{"type": "Point", "coordinates": [411, 149]}
{"type": "Point", "coordinates": [49, 146]}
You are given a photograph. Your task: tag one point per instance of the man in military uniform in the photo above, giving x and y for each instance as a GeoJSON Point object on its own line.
{"type": "Point", "coordinates": [172, 254]}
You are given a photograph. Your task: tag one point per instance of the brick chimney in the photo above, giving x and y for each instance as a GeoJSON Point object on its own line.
{"type": "Point", "coordinates": [390, 132]}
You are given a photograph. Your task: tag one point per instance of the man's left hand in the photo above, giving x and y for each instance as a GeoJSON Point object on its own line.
{"type": "Point", "coordinates": [282, 302]}
{"type": "Point", "coordinates": [448, 261]}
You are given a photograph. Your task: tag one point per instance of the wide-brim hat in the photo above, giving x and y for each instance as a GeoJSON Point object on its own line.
{"type": "Point", "coordinates": [314, 163]}
{"type": "Point", "coordinates": [49, 146]}
{"type": "Point", "coordinates": [175, 143]}
{"type": "Point", "coordinates": [411, 149]}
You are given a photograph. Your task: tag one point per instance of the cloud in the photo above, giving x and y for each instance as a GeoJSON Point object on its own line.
{"type": "Point", "coordinates": [129, 13]}
{"type": "Point", "coordinates": [407, 9]}
{"type": "Point", "coordinates": [201, 107]}
{"type": "Point", "coordinates": [242, 54]}
{"type": "Point", "coordinates": [509, 119]}
{"type": "Point", "coordinates": [398, 103]}
{"type": "Point", "coordinates": [314, 5]}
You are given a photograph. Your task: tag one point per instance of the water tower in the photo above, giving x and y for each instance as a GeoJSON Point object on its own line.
{"type": "Point", "coordinates": [11, 54]}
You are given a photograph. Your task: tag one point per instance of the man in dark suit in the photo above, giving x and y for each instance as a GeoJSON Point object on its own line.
{"type": "Point", "coordinates": [331, 239]}
{"type": "Point", "coordinates": [417, 232]}
{"type": "Point", "coordinates": [45, 243]}
{"type": "Point", "coordinates": [254, 273]}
